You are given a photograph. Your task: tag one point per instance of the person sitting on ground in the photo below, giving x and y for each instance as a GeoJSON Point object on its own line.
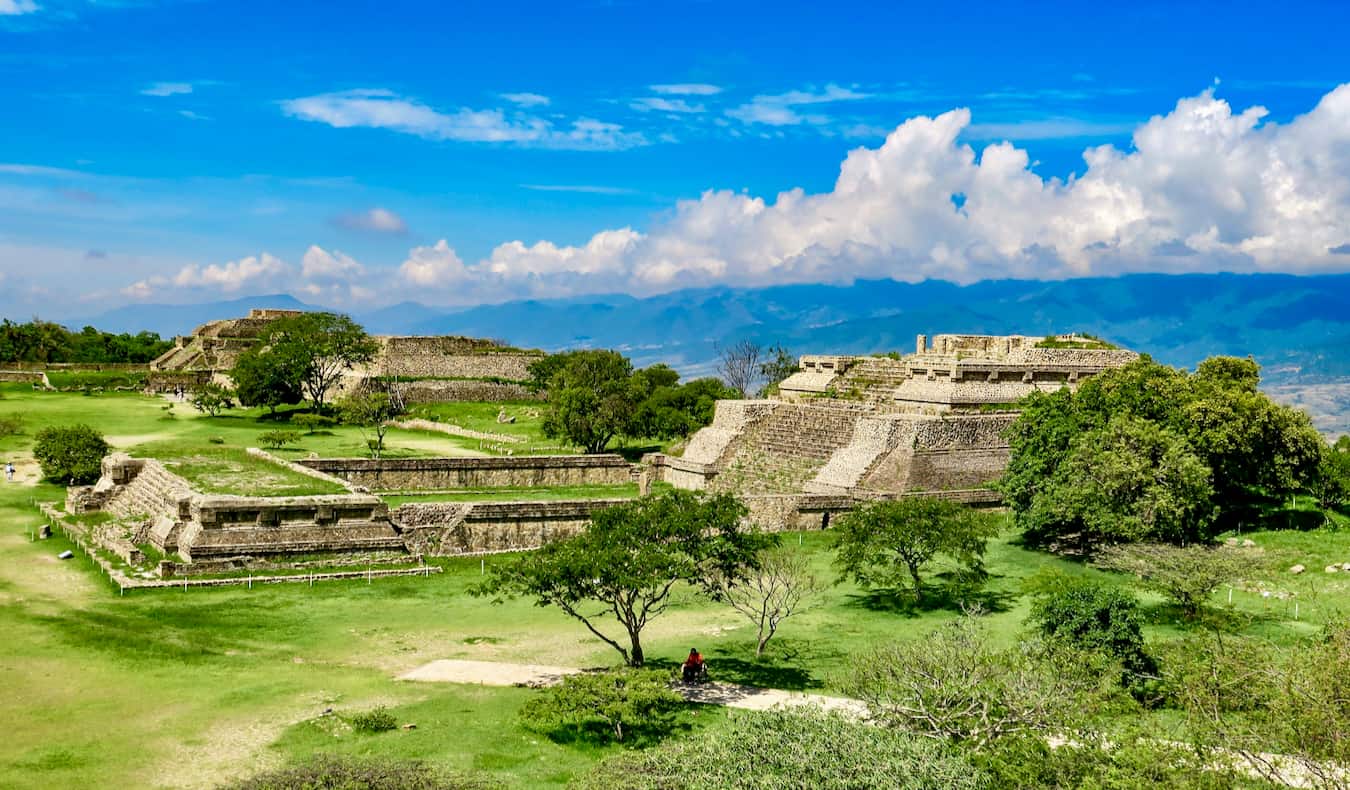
{"type": "Point", "coordinates": [693, 666]}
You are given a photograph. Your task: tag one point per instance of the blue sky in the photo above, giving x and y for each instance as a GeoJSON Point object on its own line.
{"type": "Point", "coordinates": [359, 153]}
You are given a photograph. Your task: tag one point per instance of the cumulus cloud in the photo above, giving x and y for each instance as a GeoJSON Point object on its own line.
{"type": "Point", "coordinates": [686, 89]}
{"type": "Point", "coordinates": [331, 276]}
{"type": "Point", "coordinates": [434, 266]}
{"type": "Point", "coordinates": [780, 109]}
{"type": "Point", "coordinates": [17, 7]}
{"type": "Point", "coordinates": [233, 276]}
{"type": "Point", "coordinates": [166, 88]}
{"type": "Point", "coordinates": [376, 220]}
{"type": "Point", "coordinates": [382, 109]}
{"type": "Point", "coordinates": [1203, 188]}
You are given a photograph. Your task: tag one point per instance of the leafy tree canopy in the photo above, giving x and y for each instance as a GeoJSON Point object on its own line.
{"type": "Point", "coordinates": [270, 376]}
{"type": "Point", "coordinates": [887, 544]}
{"type": "Point", "coordinates": [1215, 420]}
{"type": "Point", "coordinates": [328, 344]}
{"type": "Point", "coordinates": [630, 559]}
{"type": "Point", "coordinates": [44, 341]}
{"type": "Point", "coordinates": [71, 454]}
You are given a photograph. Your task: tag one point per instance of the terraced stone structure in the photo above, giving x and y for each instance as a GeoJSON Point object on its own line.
{"type": "Point", "coordinates": [196, 526]}
{"type": "Point", "coordinates": [445, 367]}
{"type": "Point", "coordinates": [877, 426]}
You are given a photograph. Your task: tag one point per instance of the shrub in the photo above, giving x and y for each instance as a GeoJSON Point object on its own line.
{"type": "Point", "coordinates": [71, 454]}
{"type": "Point", "coordinates": [211, 399]}
{"type": "Point", "coordinates": [375, 720]}
{"type": "Point", "coordinates": [956, 686]}
{"type": "Point", "coordinates": [216, 440]}
{"type": "Point", "coordinates": [278, 439]}
{"type": "Point", "coordinates": [1090, 615]}
{"type": "Point", "coordinates": [796, 749]}
{"type": "Point", "coordinates": [345, 773]}
{"type": "Point", "coordinates": [1187, 575]}
{"type": "Point", "coordinates": [11, 425]}
{"type": "Point", "coordinates": [607, 704]}
{"type": "Point", "coordinates": [313, 422]}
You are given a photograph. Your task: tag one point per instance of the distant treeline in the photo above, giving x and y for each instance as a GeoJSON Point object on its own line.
{"type": "Point", "coordinates": [45, 341]}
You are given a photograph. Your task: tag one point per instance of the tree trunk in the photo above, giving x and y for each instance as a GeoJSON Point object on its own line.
{"type": "Point", "coordinates": [635, 657]}
{"type": "Point", "coordinates": [918, 582]}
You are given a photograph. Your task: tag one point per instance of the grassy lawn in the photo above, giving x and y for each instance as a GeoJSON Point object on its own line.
{"type": "Point", "coordinates": [172, 688]}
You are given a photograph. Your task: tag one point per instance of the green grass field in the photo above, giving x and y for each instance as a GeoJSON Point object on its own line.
{"type": "Point", "coordinates": [171, 688]}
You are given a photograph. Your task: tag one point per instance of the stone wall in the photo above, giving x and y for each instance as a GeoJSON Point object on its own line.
{"type": "Point", "coordinates": [451, 357]}
{"type": "Point", "coordinates": [440, 474]}
{"type": "Point", "coordinates": [451, 391]}
{"type": "Point", "coordinates": [453, 528]}
{"type": "Point", "coordinates": [22, 377]}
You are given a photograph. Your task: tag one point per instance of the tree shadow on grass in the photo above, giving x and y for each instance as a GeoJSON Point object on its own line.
{"type": "Point", "coordinates": [933, 598]}
{"type": "Point", "coordinates": [771, 671]}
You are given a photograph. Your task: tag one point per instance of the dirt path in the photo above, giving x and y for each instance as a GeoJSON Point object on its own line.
{"type": "Point", "coordinates": [492, 673]}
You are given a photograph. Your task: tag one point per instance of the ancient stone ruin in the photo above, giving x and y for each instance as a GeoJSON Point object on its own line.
{"type": "Point", "coordinates": [868, 426]}
{"type": "Point", "coordinates": [438, 368]}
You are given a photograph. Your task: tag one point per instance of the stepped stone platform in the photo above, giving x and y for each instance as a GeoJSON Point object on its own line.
{"type": "Point", "coordinates": [932, 421]}
{"type": "Point", "coordinates": [446, 367]}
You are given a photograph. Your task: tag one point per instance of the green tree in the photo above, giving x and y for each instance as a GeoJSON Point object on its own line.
{"type": "Point", "coordinates": [672, 411]}
{"type": "Point", "coordinates": [371, 412]}
{"type": "Point", "coordinates": [612, 704]}
{"type": "Point", "coordinates": [801, 748]}
{"type": "Point", "coordinates": [1257, 451]}
{"type": "Point", "coordinates": [328, 344]}
{"type": "Point", "coordinates": [270, 377]}
{"type": "Point", "coordinates": [591, 398]}
{"type": "Point", "coordinates": [630, 559]}
{"type": "Point", "coordinates": [887, 544]}
{"type": "Point", "coordinates": [71, 454]}
{"type": "Point", "coordinates": [212, 398]}
{"type": "Point", "coordinates": [1090, 615]}
{"type": "Point", "coordinates": [1131, 480]}
{"type": "Point", "coordinates": [1331, 487]}
{"type": "Point", "coordinates": [1188, 575]}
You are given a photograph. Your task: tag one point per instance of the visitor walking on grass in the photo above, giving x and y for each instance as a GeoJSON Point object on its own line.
{"type": "Point", "coordinates": [9, 471]}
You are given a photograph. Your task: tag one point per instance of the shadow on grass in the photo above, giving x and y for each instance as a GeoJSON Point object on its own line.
{"type": "Point", "coordinates": [599, 733]}
{"type": "Point", "coordinates": [1224, 619]}
{"type": "Point", "coordinates": [780, 669]}
{"type": "Point", "coordinates": [934, 598]}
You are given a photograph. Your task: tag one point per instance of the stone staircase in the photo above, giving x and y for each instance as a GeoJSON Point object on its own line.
{"type": "Point", "coordinates": [153, 492]}
{"type": "Point", "coordinates": [873, 438]}
{"type": "Point", "coordinates": [876, 378]}
{"type": "Point", "coordinates": [783, 450]}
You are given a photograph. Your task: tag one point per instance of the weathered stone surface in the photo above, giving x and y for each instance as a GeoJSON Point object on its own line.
{"type": "Point", "coordinates": [930, 421]}
{"type": "Point", "coordinates": [413, 474]}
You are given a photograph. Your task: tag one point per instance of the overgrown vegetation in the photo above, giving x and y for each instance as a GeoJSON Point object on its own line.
{"type": "Point", "coordinates": [616, 705]}
{"type": "Point", "coordinates": [47, 342]}
{"type": "Point", "coordinates": [70, 455]}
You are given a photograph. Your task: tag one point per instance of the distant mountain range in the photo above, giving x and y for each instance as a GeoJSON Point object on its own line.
{"type": "Point", "coordinates": [1297, 327]}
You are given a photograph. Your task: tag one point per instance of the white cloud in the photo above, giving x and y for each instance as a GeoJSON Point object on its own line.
{"type": "Point", "coordinates": [686, 89]}
{"type": "Point", "coordinates": [376, 220]}
{"type": "Point", "coordinates": [192, 116]}
{"type": "Point", "coordinates": [658, 104]}
{"type": "Point", "coordinates": [434, 266]}
{"type": "Point", "coordinates": [382, 109]}
{"type": "Point", "coordinates": [526, 99]}
{"type": "Point", "coordinates": [17, 7]}
{"type": "Point", "coordinates": [1204, 188]}
{"type": "Point", "coordinates": [233, 276]}
{"type": "Point", "coordinates": [321, 265]}
{"type": "Point", "coordinates": [779, 109]}
{"type": "Point", "coordinates": [165, 88]}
